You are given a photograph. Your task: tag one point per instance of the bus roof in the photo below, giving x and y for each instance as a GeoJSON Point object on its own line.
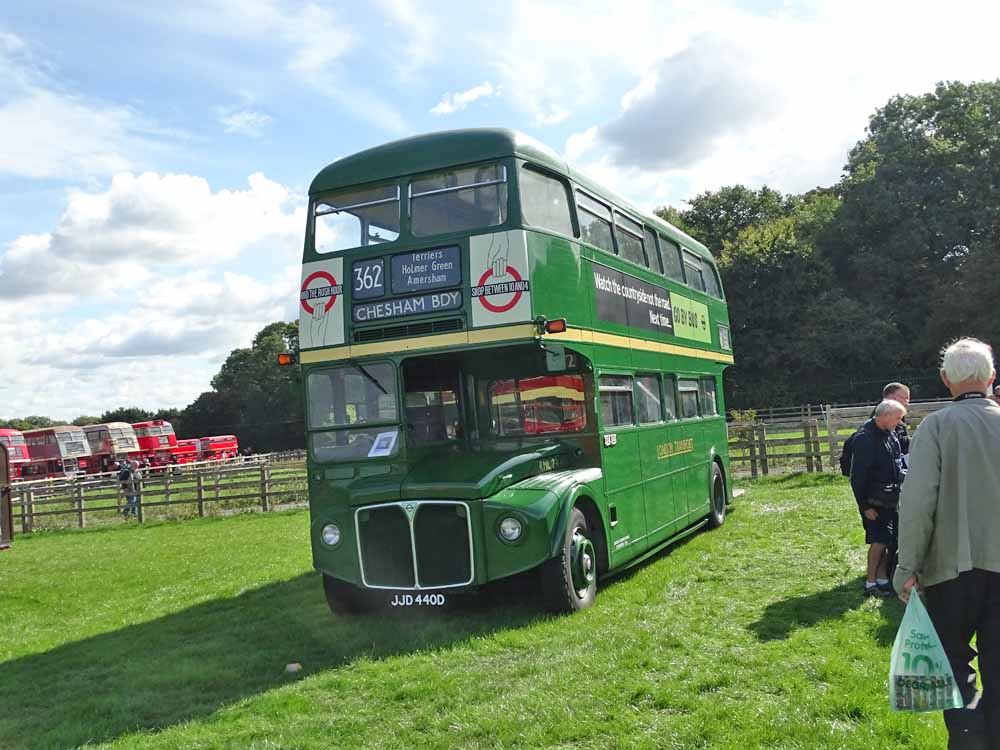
{"type": "Point", "coordinates": [7, 431]}
{"type": "Point", "coordinates": [53, 428]}
{"type": "Point", "coordinates": [108, 425]}
{"type": "Point", "coordinates": [451, 148]}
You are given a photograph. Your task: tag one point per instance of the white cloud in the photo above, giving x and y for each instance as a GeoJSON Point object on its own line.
{"type": "Point", "coordinates": [451, 103]}
{"type": "Point", "coordinates": [776, 99]}
{"type": "Point", "coordinates": [245, 122]}
{"type": "Point", "coordinates": [148, 222]}
{"type": "Point", "coordinates": [160, 351]}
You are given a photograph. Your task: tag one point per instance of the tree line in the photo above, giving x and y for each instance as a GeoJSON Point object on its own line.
{"type": "Point", "coordinates": [836, 291]}
{"type": "Point", "coordinates": [832, 292]}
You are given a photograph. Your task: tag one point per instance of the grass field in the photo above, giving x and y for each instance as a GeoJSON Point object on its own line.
{"type": "Point", "coordinates": [176, 635]}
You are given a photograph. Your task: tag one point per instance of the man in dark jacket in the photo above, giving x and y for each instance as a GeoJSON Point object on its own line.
{"type": "Point", "coordinates": [901, 393]}
{"type": "Point", "coordinates": [876, 475]}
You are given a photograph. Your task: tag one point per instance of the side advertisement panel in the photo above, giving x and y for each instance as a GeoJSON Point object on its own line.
{"type": "Point", "coordinates": [500, 285]}
{"type": "Point", "coordinates": [321, 304]}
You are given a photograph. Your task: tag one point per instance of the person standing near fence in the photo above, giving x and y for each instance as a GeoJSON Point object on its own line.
{"type": "Point", "coordinates": [876, 475]}
{"type": "Point", "coordinates": [949, 541]}
{"type": "Point", "coordinates": [901, 394]}
{"type": "Point", "coordinates": [130, 479]}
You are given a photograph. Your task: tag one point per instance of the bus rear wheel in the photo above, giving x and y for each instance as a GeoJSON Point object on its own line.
{"type": "Point", "coordinates": [717, 515]}
{"type": "Point", "coordinates": [569, 580]}
{"type": "Point", "coordinates": [344, 598]}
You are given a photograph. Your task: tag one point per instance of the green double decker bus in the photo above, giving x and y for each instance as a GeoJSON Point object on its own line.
{"type": "Point", "coordinates": [508, 370]}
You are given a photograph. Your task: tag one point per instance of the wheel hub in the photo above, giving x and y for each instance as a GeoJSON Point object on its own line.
{"type": "Point", "coordinates": [582, 561]}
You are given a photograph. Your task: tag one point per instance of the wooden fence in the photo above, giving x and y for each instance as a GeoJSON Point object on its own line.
{"type": "Point", "coordinates": [812, 442]}
{"type": "Point", "coordinates": [189, 490]}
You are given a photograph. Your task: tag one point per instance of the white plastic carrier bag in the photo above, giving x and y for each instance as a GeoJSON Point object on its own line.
{"type": "Point", "coordinates": [920, 677]}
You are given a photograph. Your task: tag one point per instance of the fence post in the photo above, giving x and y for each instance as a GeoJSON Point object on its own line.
{"type": "Point", "coordinates": [81, 520]}
{"type": "Point", "coordinates": [832, 436]}
{"type": "Point", "coordinates": [751, 438]}
{"type": "Point", "coordinates": [201, 494]}
{"type": "Point", "coordinates": [265, 481]}
{"type": "Point", "coordinates": [218, 478]}
{"type": "Point", "coordinates": [138, 500]}
{"type": "Point", "coordinates": [28, 512]}
{"type": "Point", "coordinates": [807, 442]}
{"type": "Point", "coordinates": [816, 451]}
{"type": "Point", "coordinates": [763, 449]}
{"type": "Point", "coordinates": [166, 484]}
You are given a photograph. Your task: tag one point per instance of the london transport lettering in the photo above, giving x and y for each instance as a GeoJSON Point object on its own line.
{"type": "Point", "coordinates": [426, 269]}
{"type": "Point", "coordinates": [676, 448]}
{"type": "Point", "coordinates": [395, 308]}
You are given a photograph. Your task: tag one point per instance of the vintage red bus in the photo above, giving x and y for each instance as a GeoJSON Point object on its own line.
{"type": "Point", "coordinates": [538, 405]}
{"type": "Point", "coordinates": [108, 443]}
{"type": "Point", "coordinates": [6, 512]}
{"type": "Point", "coordinates": [218, 447]}
{"type": "Point", "coordinates": [156, 441]}
{"type": "Point", "coordinates": [187, 450]}
{"type": "Point", "coordinates": [17, 451]}
{"type": "Point", "coordinates": [56, 452]}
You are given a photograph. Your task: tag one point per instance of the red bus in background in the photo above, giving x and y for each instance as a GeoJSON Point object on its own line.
{"type": "Point", "coordinates": [218, 447]}
{"type": "Point", "coordinates": [17, 451]}
{"type": "Point", "coordinates": [108, 443]}
{"type": "Point", "coordinates": [538, 405]}
{"type": "Point", "coordinates": [187, 450]}
{"type": "Point", "coordinates": [55, 452]}
{"type": "Point", "coordinates": [156, 441]}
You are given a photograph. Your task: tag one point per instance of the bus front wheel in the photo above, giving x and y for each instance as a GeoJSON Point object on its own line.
{"type": "Point", "coordinates": [717, 516]}
{"type": "Point", "coordinates": [344, 598]}
{"type": "Point", "coordinates": [569, 580]}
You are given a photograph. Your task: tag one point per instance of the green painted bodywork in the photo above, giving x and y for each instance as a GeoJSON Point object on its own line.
{"type": "Point", "coordinates": [636, 497]}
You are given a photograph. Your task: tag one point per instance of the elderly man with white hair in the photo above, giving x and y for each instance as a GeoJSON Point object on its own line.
{"type": "Point", "coordinates": [876, 474]}
{"type": "Point", "coordinates": [949, 541]}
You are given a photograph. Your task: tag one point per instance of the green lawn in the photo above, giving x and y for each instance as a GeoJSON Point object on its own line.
{"type": "Point", "coordinates": [176, 635]}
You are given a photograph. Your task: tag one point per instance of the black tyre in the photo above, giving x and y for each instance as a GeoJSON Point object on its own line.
{"type": "Point", "coordinates": [717, 515]}
{"type": "Point", "coordinates": [569, 580]}
{"type": "Point", "coordinates": [344, 598]}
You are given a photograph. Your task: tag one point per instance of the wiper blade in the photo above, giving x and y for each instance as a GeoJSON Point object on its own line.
{"type": "Point", "coordinates": [363, 371]}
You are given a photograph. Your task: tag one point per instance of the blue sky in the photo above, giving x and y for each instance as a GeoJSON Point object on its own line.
{"type": "Point", "coordinates": [154, 160]}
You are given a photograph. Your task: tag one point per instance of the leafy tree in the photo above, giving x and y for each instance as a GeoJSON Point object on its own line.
{"type": "Point", "coordinates": [253, 397]}
{"type": "Point", "coordinates": [717, 217]}
{"type": "Point", "coordinates": [84, 420]}
{"type": "Point", "coordinates": [28, 423]}
{"type": "Point", "coordinates": [921, 209]}
{"type": "Point", "coordinates": [130, 414]}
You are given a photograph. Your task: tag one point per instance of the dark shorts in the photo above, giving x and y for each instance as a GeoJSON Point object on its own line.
{"type": "Point", "coordinates": [883, 529]}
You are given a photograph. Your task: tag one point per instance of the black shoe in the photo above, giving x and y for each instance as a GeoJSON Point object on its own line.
{"type": "Point", "coordinates": [875, 591]}
{"type": "Point", "coordinates": [886, 589]}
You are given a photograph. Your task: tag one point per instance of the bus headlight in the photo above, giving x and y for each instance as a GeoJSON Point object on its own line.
{"type": "Point", "coordinates": [331, 535]}
{"type": "Point", "coordinates": [510, 529]}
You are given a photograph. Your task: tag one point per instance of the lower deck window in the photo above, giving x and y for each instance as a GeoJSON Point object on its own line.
{"type": "Point", "coordinates": [616, 400]}
{"type": "Point", "coordinates": [688, 390]}
{"type": "Point", "coordinates": [539, 405]}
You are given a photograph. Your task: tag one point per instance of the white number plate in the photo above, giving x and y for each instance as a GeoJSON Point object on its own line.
{"type": "Point", "coordinates": [417, 600]}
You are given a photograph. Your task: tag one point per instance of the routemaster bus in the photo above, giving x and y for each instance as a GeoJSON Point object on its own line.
{"type": "Point", "coordinates": [508, 370]}
{"type": "Point", "coordinates": [156, 440]}
{"type": "Point", "coordinates": [109, 442]}
{"type": "Point", "coordinates": [186, 451]}
{"type": "Point", "coordinates": [56, 452]}
{"type": "Point", "coordinates": [17, 451]}
{"type": "Point", "coordinates": [218, 447]}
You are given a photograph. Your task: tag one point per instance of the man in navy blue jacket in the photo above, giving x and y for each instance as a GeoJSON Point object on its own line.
{"type": "Point", "coordinates": [876, 476]}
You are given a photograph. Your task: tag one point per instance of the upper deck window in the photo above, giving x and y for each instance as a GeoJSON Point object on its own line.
{"type": "Point", "coordinates": [595, 223]}
{"type": "Point", "coordinates": [356, 217]}
{"type": "Point", "coordinates": [671, 257]}
{"type": "Point", "coordinates": [693, 273]}
{"type": "Point", "coordinates": [545, 201]}
{"type": "Point", "coordinates": [457, 200]}
{"type": "Point", "coordinates": [629, 236]}
{"type": "Point", "coordinates": [711, 280]}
